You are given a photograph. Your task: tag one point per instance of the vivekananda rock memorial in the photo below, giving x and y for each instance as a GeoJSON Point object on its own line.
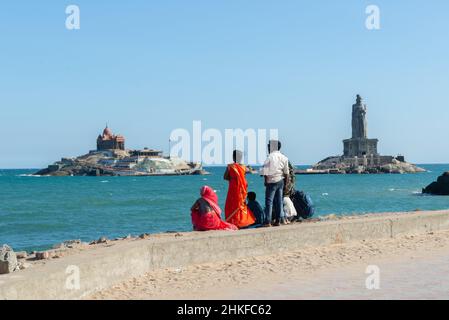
{"type": "Point", "coordinates": [360, 153]}
{"type": "Point", "coordinates": [111, 158]}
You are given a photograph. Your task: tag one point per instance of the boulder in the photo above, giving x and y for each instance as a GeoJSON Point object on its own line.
{"type": "Point", "coordinates": [69, 244]}
{"type": "Point", "coordinates": [439, 187]}
{"type": "Point", "coordinates": [44, 255]}
{"type": "Point", "coordinates": [21, 255]}
{"type": "Point", "coordinates": [100, 240]}
{"type": "Point", "coordinates": [8, 260]}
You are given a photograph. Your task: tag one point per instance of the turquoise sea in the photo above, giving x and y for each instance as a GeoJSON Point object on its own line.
{"type": "Point", "coordinates": [38, 212]}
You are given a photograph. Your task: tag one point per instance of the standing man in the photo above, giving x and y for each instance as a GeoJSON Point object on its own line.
{"type": "Point", "coordinates": [275, 170]}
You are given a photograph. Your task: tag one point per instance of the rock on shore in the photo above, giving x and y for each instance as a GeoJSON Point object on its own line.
{"type": "Point", "coordinates": [439, 187]}
{"type": "Point", "coordinates": [8, 260]}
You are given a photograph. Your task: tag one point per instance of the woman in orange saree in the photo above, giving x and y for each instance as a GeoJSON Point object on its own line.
{"type": "Point", "coordinates": [236, 210]}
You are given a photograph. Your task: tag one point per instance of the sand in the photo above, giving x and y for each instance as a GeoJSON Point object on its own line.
{"type": "Point", "coordinates": [409, 267]}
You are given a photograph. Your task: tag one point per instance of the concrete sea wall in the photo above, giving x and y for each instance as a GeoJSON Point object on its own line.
{"type": "Point", "coordinates": [104, 266]}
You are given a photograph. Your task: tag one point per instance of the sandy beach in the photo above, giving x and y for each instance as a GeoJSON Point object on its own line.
{"type": "Point", "coordinates": [412, 266]}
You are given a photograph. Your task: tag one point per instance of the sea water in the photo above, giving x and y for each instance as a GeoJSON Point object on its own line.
{"type": "Point", "coordinates": [38, 212]}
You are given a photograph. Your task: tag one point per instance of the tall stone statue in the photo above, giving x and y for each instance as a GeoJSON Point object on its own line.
{"type": "Point", "coordinates": [359, 125]}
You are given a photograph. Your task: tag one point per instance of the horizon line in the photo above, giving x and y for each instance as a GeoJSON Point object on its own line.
{"type": "Point", "coordinates": [254, 165]}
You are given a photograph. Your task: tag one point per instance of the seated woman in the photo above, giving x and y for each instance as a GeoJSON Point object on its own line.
{"type": "Point", "coordinates": [256, 208]}
{"type": "Point", "coordinates": [206, 213]}
{"type": "Point", "coordinates": [236, 210]}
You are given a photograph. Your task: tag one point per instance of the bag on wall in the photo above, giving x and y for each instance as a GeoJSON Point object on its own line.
{"type": "Point", "coordinates": [303, 204]}
{"type": "Point", "coordinates": [289, 208]}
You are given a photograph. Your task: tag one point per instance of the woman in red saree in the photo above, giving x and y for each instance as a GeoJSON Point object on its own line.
{"type": "Point", "coordinates": [236, 210]}
{"type": "Point", "coordinates": [206, 213]}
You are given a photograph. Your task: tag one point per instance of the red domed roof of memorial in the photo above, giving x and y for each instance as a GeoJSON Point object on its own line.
{"type": "Point", "coordinates": [107, 132]}
{"type": "Point", "coordinates": [109, 141]}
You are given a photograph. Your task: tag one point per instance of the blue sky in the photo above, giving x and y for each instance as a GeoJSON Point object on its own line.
{"type": "Point", "coordinates": [148, 67]}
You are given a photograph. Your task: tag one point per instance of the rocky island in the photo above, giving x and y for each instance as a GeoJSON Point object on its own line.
{"type": "Point", "coordinates": [112, 159]}
{"type": "Point", "coordinates": [360, 153]}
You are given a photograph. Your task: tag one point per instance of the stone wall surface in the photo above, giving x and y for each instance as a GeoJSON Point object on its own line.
{"type": "Point", "coordinates": [103, 267]}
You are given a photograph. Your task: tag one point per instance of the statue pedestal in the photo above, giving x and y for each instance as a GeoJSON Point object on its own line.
{"type": "Point", "coordinates": [358, 147]}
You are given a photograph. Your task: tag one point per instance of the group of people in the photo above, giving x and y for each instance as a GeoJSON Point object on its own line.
{"type": "Point", "coordinates": [242, 209]}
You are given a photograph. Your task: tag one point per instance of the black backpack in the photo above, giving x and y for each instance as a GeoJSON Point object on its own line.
{"type": "Point", "coordinates": [303, 204]}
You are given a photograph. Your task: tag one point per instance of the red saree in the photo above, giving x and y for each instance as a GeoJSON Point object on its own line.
{"type": "Point", "coordinates": [206, 213]}
{"type": "Point", "coordinates": [236, 210]}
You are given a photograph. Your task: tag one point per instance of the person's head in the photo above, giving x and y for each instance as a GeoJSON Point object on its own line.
{"type": "Point", "coordinates": [274, 145]}
{"type": "Point", "coordinates": [237, 156]}
{"type": "Point", "coordinates": [208, 192]}
{"type": "Point", "coordinates": [251, 196]}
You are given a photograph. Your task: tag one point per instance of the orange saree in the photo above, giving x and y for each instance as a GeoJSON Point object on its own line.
{"type": "Point", "coordinates": [236, 211]}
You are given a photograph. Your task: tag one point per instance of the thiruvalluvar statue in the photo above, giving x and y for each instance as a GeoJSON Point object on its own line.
{"type": "Point", "coordinates": [359, 125]}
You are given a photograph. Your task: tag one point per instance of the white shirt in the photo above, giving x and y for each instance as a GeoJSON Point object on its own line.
{"type": "Point", "coordinates": [275, 167]}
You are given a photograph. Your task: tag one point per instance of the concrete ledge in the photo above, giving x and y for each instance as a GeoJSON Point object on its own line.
{"type": "Point", "coordinates": [102, 267]}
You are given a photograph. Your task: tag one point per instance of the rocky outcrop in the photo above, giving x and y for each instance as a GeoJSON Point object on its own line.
{"type": "Point", "coordinates": [100, 240]}
{"type": "Point", "coordinates": [114, 163]}
{"type": "Point", "coordinates": [397, 166]}
{"type": "Point", "coordinates": [439, 187]}
{"type": "Point", "coordinates": [383, 164]}
{"type": "Point", "coordinates": [78, 169]}
{"type": "Point", "coordinates": [8, 260]}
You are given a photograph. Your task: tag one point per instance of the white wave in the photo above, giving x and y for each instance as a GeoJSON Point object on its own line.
{"type": "Point", "coordinates": [30, 175]}
{"type": "Point", "coordinates": [325, 194]}
{"type": "Point", "coordinates": [104, 181]}
{"type": "Point", "coordinates": [392, 189]}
